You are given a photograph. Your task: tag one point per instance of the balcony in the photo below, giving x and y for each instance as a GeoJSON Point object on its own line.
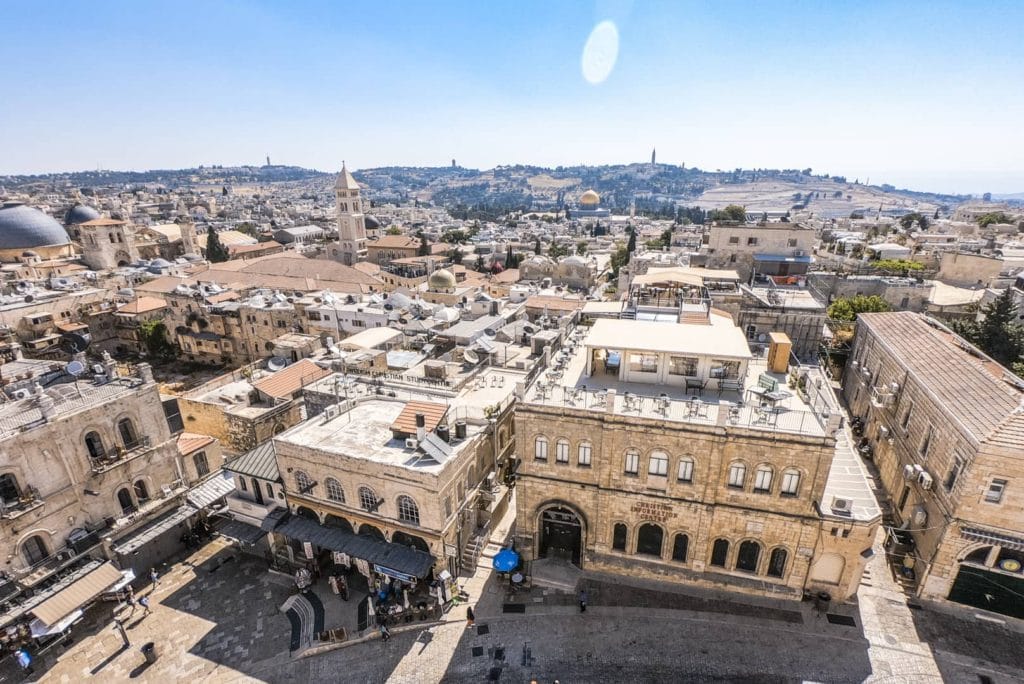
{"type": "Point", "coordinates": [103, 459]}
{"type": "Point", "coordinates": [247, 508]}
{"type": "Point", "coordinates": [27, 501]}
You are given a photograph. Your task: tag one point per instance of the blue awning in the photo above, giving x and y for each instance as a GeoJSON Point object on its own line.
{"type": "Point", "coordinates": [783, 257]}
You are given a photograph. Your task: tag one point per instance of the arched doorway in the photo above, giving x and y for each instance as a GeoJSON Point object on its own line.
{"type": "Point", "coordinates": [410, 540]}
{"type": "Point", "coordinates": [338, 523]}
{"type": "Point", "coordinates": [256, 491]}
{"type": "Point", "coordinates": [561, 534]}
{"type": "Point", "coordinates": [304, 512]}
{"type": "Point", "coordinates": [124, 499]}
{"type": "Point", "coordinates": [991, 578]}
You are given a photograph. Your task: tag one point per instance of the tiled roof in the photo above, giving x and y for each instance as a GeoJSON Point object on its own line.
{"type": "Point", "coordinates": [142, 305]}
{"type": "Point", "coordinates": [395, 242]}
{"type": "Point", "coordinates": [189, 442]}
{"type": "Point", "coordinates": [968, 387]}
{"type": "Point", "coordinates": [261, 462]}
{"type": "Point", "coordinates": [406, 420]}
{"type": "Point", "coordinates": [284, 383]}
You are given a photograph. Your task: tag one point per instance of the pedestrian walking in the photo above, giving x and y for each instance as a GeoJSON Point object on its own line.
{"type": "Point", "coordinates": [130, 603]}
{"type": "Point", "coordinates": [144, 602]}
{"type": "Point", "coordinates": [583, 600]}
{"type": "Point", "coordinates": [470, 617]}
{"type": "Point", "coordinates": [154, 577]}
{"type": "Point", "coordinates": [25, 661]}
{"type": "Point", "coordinates": [385, 633]}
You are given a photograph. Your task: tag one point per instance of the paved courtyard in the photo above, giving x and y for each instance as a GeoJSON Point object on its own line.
{"type": "Point", "coordinates": [216, 619]}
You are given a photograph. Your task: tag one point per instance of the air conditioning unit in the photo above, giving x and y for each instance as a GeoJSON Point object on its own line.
{"type": "Point", "coordinates": [925, 480]}
{"type": "Point", "coordinates": [411, 443]}
{"type": "Point", "coordinates": [920, 516]}
{"type": "Point", "coordinates": [842, 506]}
{"type": "Point", "coordinates": [331, 412]}
{"type": "Point", "coordinates": [883, 431]}
{"type": "Point", "coordinates": [908, 472]}
{"type": "Point", "coordinates": [23, 393]}
{"type": "Point", "coordinates": [799, 253]}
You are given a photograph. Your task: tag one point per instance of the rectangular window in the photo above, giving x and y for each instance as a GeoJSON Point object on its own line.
{"type": "Point", "coordinates": [737, 473]}
{"type": "Point", "coordinates": [995, 491]}
{"type": "Point", "coordinates": [751, 241]}
{"type": "Point", "coordinates": [685, 473]}
{"type": "Point", "coordinates": [584, 455]}
{"type": "Point", "coordinates": [682, 365]}
{"type": "Point", "coordinates": [725, 370]}
{"type": "Point", "coordinates": [632, 462]}
{"type": "Point", "coordinates": [763, 481]}
{"type": "Point", "coordinates": [925, 443]}
{"type": "Point", "coordinates": [658, 464]}
{"type": "Point", "coordinates": [734, 240]}
{"type": "Point", "coordinates": [792, 242]}
{"type": "Point", "coordinates": [643, 363]}
{"type": "Point", "coordinates": [954, 472]}
{"type": "Point", "coordinates": [906, 417]}
{"type": "Point", "coordinates": [790, 483]}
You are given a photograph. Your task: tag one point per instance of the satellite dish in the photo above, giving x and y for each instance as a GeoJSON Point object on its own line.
{"type": "Point", "coordinates": [277, 363]}
{"type": "Point", "coordinates": [74, 343]}
{"type": "Point", "coordinates": [471, 356]}
{"type": "Point", "coordinates": [28, 298]}
{"type": "Point", "coordinates": [75, 368]}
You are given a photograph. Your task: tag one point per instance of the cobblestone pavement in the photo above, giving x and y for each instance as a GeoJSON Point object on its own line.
{"type": "Point", "coordinates": [216, 619]}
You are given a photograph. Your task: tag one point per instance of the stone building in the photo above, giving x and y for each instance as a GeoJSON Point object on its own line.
{"type": "Point", "coordinates": [667, 451]}
{"type": "Point", "coordinates": [351, 245]}
{"type": "Point", "coordinates": [420, 470]}
{"type": "Point", "coordinates": [107, 243]}
{"type": "Point", "coordinates": [769, 249]}
{"type": "Point", "coordinates": [85, 466]}
{"type": "Point", "coordinates": [947, 429]}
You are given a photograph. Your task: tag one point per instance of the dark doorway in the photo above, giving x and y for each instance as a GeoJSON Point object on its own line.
{"type": "Point", "coordinates": [338, 523]}
{"type": "Point", "coordinates": [412, 540]}
{"type": "Point", "coordinates": [257, 492]}
{"type": "Point", "coordinates": [371, 531]}
{"type": "Point", "coordinates": [561, 534]}
{"type": "Point", "coordinates": [748, 556]}
{"type": "Point", "coordinates": [648, 540]}
{"type": "Point", "coordinates": [983, 588]}
{"type": "Point", "coordinates": [124, 498]}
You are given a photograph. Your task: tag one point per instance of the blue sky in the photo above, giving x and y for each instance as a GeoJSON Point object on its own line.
{"type": "Point", "coordinates": [927, 95]}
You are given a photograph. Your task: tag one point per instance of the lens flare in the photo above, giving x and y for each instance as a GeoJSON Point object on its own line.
{"type": "Point", "coordinates": [600, 52]}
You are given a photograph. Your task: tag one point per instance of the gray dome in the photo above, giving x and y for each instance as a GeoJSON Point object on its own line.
{"type": "Point", "coordinates": [80, 214]}
{"type": "Point", "coordinates": [23, 227]}
{"type": "Point", "coordinates": [371, 222]}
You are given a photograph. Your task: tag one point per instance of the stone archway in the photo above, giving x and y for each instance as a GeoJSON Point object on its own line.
{"type": "Point", "coordinates": [307, 513]}
{"type": "Point", "coordinates": [338, 523]}
{"type": "Point", "coordinates": [412, 540]}
{"type": "Point", "coordinates": [561, 533]}
{"type": "Point", "coordinates": [368, 530]}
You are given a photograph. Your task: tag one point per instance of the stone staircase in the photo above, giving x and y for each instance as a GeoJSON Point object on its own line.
{"type": "Point", "coordinates": [471, 552]}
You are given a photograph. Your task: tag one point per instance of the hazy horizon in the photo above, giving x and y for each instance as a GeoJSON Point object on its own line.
{"type": "Point", "coordinates": [918, 95]}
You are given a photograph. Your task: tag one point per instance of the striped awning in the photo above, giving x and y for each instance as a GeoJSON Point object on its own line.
{"type": "Point", "coordinates": [150, 532]}
{"type": "Point", "coordinates": [993, 537]}
{"type": "Point", "coordinates": [217, 487]}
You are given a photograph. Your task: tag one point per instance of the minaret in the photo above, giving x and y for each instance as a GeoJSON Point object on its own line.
{"type": "Point", "coordinates": [188, 235]}
{"type": "Point", "coordinates": [653, 156]}
{"type": "Point", "coordinates": [351, 228]}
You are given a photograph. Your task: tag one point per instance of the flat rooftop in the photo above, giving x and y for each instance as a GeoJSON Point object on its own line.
{"type": "Point", "coordinates": [570, 387]}
{"type": "Point", "coordinates": [365, 432]}
{"type": "Point", "coordinates": [721, 338]}
{"type": "Point", "coordinates": [18, 416]}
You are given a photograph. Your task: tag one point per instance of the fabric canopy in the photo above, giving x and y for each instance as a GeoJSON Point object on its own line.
{"type": "Point", "coordinates": [77, 594]}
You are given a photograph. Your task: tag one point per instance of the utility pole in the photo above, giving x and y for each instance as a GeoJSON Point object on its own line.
{"type": "Point", "coordinates": [119, 627]}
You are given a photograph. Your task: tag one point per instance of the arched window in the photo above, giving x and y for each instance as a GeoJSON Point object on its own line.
{"type": "Point", "coordinates": [241, 484]}
{"type": "Point", "coordinates": [94, 445]}
{"type": "Point", "coordinates": [303, 483]}
{"type": "Point", "coordinates": [648, 540]}
{"type": "Point", "coordinates": [126, 430]}
{"type": "Point", "coordinates": [9, 490]}
{"type": "Point", "coordinates": [748, 556]}
{"type": "Point", "coordinates": [334, 490]}
{"type": "Point", "coordinates": [777, 563]}
{"type": "Point", "coordinates": [540, 448]}
{"type": "Point", "coordinates": [408, 511]}
{"type": "Point", "coordinates": [562, 451]}
{"type": "Point", "coordinates": [658, 464]}
{"type": "Point", "coordinates": [141, 492]}
{"type": "Point", "coordinates": [269, 487]}
{"type": "Point", "coordinates": [619, 533]}
{"type": "Point", "coordinates": [719, 552]}
{"type": "Point", "coordinates": [367, 499]}
{"type": "Point", "coordinates": [685, 470]}
{"type": "Point", "coordinates": [34, 550]}
{"type": "Point", "coordinates": [790, 482]}
{"type": "Point", "coordinates": [585, 452]}
{"type": "Point", "coordinates": [679, 547]}
{"type": "Point", "coordinates": [737, 475]}
{"type": "Point", "coordinates": [124, 498]}
{"type": "Point", "coordinates": [632, 466]}
{"type": "Point", "coordinates": [763, 479]}
{"type": "Point", "coordinates": [201, 464]}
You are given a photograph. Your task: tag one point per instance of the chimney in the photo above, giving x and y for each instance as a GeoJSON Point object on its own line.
{"type": "Point", "coordinates": [421, 427]}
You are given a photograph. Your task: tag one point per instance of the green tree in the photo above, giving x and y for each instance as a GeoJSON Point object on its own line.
{"type": "Point", "coordinates": [847, 308]}
{"type": "Point", "coordinates": [455, 255]}
{"type": "Point", "coordinates": [480, 265]}
{"type": "Point", "coordinates": [153, 335]}
{"type": "Point", "coordinates": [424, 248]}
{"type": "Point", "coordinates": [581, 247]}
{"type": "Point", "coordinates": [631, 245]}
{"type": "Point", "coordinates": [216, 252]}
{"type": "Point", "coordinates": [908, 220]}
{"type": "Point", "coordinates": [985, 220]}
{"type": "Point", "coordinates": [557, 251]}
{"type": "Point", "coordinates": [620, 257]}
{"type": "Point", "coordinates": [536, 246]}
{"type": "Point", "coordinates": [998, 333]}
{"type": "Point", "coordinates": [903, 266]}
{"type": "Point", "coordinates": [393, 230]}
{"type": "Point", "coordinates": [733, 212]}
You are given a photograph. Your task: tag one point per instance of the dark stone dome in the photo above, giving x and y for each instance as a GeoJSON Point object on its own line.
{"type": "Point", "coordinates": [80, 213]}
{"type": "Point", "coordinates": [23, 227]}
{"type": "Point", "coordinates": [371, 222]}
